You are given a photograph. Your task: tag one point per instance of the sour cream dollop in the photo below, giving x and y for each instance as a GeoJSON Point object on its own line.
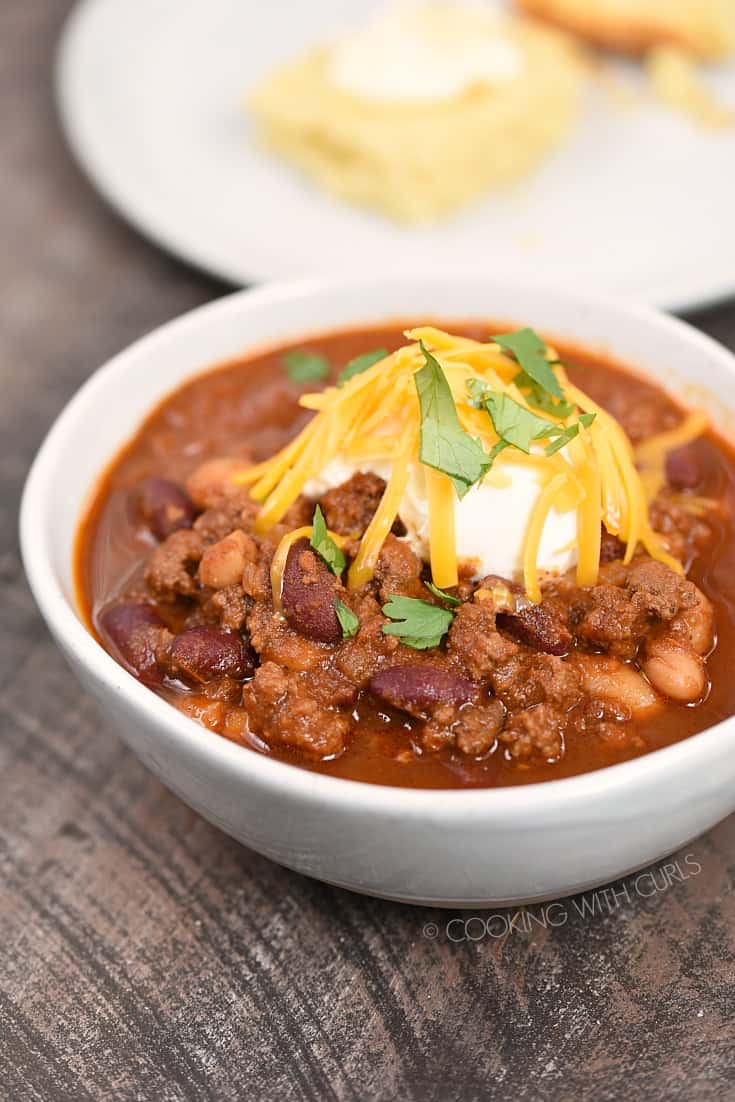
{"type": "Point", "coordinates": [490, 521]}
{"type": "Point", "coordinates": [422, 53]}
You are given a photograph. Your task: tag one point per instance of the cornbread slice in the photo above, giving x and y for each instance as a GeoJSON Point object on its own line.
{"type": "Point", "coordinates": [417, 161]}
{"type": "Point", "coordinates": [705, 28]}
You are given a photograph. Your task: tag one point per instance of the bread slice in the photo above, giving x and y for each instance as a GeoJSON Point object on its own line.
{"type": "Point", "coordinates": [705, 28]}
{"type": "Point", "coordinates": [417, 162]}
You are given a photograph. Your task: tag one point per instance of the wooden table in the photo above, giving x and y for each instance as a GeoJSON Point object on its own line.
{"type": "Point", "coordinates": [144, 954]}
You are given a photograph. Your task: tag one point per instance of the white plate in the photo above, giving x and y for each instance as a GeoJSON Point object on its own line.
{"type": "Point", "coordinates": [640, 201]}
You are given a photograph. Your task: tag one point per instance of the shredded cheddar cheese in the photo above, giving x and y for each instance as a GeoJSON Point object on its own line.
{"type": "Point", "coordinates": [376, 417]}
{"type": "Point", "coordinates": [440, 493]}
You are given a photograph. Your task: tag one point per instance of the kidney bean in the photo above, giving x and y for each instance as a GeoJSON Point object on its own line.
{"type": "Point", "coordinates": [307, 596]}
{"type": "Point", "coordinates": [419, 689]}
{"type": "Point", "coordinates": [136, 631]}
{"type": "Point", "coordinates": [683, 469]}
{"type": "Point", "coordinates": [207, 653]}
{"type": "Point", "coordinates": [164, 506]}
{"type": "Point", "coordinates": [537, 628]}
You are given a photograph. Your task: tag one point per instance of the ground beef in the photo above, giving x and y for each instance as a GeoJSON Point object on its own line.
{"type": "Point", "coordinates": [171, 567]}
{"type": "Point", "coordinates": [283, 711]}
{"type": "Point", "coordinates": [349, 508]}
{"type": "Point", "coordinates": [658, 591]}
{"type": "Point", "coordinates": [607, 720]}
{"type": "Point", "coordinates": [529, 679]}
{"type": "Point", "coordinates": [535, 733]}
{"type": "Point", "coordinates": [477, 727]}
{"type": "Point", "coordinates": [228, 511]}
{"type": "Point", "coordinates": [362, 656]}
{"type": "Point", "coordinates": [228, 607]}
{"type": "Point", "coordinates": [616, 616]}
{"type": "Point", "coordinates": [523, 670]}
{"type": "Point", "coordinates": [605, 618]}
{"type": "Point", "coordinates": [299, 514]}
{"type": "Point", "coordinates": [398, 571]}
{"type": "Point", "coordinates": [256, 579]}
{"type": "Point", "coordinates": [474, 642]}
{"type": "Point", "coordinates": [275, 641]}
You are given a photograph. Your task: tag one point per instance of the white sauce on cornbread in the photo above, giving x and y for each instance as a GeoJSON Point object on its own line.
{"type": "Point", "coordinates": [421, 53]}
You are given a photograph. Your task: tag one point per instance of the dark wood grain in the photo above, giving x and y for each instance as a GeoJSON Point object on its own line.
{"type": "Point", "coordinates": [144, 955]}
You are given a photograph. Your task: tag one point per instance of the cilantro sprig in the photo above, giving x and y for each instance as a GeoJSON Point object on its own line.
{"type": "Point", "coordinates": [324, 545]}
{"type": "Point", "coordinates": [305, 367]}
{"type": "Point", "coordinates": [444, 444]}
{"type": "Point", "coordinates": [541, 399]}
{"type": "Point", "coordinates": [348, 621]}
{"type": "Point", "coordinates": [530, 351]}
{"type": "Point", "coordinates": [360, 364]}
{"type": "Point", "coordinates": [567, 434]}
{"type": "Point", "coordinates": [519, 427]}
{"type": "Point", "coordinates": [416, 623]}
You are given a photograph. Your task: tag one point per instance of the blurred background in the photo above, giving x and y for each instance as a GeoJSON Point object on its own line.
{"type": "Point", "coordinates": [270, 141]}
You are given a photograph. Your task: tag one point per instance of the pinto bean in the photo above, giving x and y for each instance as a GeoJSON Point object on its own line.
{"type": "Point", "coordinates": [136, 631]}
{"type": "Point", "coordinates": [223, 562]}
{"type": "Point", "coordinates": [307, 596]}
{"type": "Point", "coordinates": [699, 623]}
{"type": "Point", "coordinates": [207, 653]}
{"type": "Point", "coordinates": [675, 671]}
{"type": "Point", "coordinates": [164, 506]}
{"type": "Point", "coordinates": [418, 690]}
{"type": "Point", "coordinates": [610, 679]}
{"type": "Point", "coordinates": [536, 627]}
{"type": "Point", "coordinates": [683, 469]}
{"type": "Point", "coordinates": [208, 482]}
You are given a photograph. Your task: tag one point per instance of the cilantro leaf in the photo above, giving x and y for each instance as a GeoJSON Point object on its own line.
{"type": "Point", "coordinates": [447, 597]}
{"type": "Point", "coordinates": [360, 364]}
{"type": "Point", "coordinates": [517, 426]}
{"type": "Point", "coordinates": [324, 545]}
{"type": "Point", "coordinates": [541, 399]}
{"type": "Point", "coordinates": [348, 621]}
{"type": "Point", "coordinates": [568, 433]}
{"type": "Point", "coordinates": [305, 367]}
{"type": "Point", "coordinates": [514, 424]}
{"type": "Point", "coordinates": [417, 623]}
{"type": "Point", "coordinates": [497, 448]}
{"type": "Point", "coordinates": [444, 445]}
{"type": "Point", "coordinates": [530, 352]}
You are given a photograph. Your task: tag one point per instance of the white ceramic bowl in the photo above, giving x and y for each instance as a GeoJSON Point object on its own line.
{"type": "Point", "coordinates": [453, 848]}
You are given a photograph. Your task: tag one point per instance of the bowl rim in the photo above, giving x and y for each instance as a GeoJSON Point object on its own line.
{"type": "Point", "coordinates": [287, 779]}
